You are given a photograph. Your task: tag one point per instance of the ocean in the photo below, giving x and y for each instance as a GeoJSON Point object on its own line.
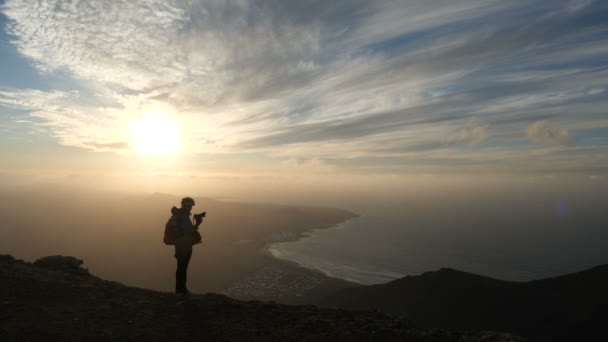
{"type": "Point", "coordinates": [518, 237]}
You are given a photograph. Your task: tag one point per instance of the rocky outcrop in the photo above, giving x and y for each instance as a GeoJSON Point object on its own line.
{"type": "Point", "coordinates": [52, 299]}
{"type": "Point", "coordinates": [6, 258]}
{"type": "Point", "coordinates": [61, 263]}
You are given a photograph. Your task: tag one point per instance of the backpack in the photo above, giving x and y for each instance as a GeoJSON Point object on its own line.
{"type": "Point", "coordinates": [171, 233]}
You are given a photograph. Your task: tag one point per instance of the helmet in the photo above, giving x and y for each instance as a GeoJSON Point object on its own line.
{"type": "Point", "coordinates": [187, 200]}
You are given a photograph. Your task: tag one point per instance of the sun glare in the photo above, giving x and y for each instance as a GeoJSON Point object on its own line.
{"type": "Point", "coordinates": [155, 134]}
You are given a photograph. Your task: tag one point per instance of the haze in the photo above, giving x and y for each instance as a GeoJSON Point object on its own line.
{"type": "Point", "coordinates": [469, 132]}
{"type": "Point", "coordinates": [510, 228]}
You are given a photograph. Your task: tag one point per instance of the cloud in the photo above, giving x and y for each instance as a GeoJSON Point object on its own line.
{"type": "Point", "coordinates": [473, 136]}
{"type": "Point", "coordinates": [30, 99]}
{"type": "Point", "coordinates": [108, 146]}
{"type": "Point", "coordinates": [109, 41]}
{"type": "Point", "coordinates": [541, 133]}
{"type": "Point", "coordinates": [313, 165]}
{"type": "Point", "coordinates": [354, 79]}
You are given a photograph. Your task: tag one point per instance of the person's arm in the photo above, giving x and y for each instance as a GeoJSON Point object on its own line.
{"type": "Point", "coordinates": [198, 220]}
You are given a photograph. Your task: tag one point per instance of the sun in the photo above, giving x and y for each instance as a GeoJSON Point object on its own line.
{"type": "Point", "coordinates": [156, 134]}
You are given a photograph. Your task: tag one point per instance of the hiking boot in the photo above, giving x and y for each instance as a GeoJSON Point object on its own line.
{"type": "Point", "coordinates": [183, 292]}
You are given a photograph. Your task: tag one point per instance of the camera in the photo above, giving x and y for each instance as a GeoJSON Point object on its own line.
{"type": "Point", "coordinates": [200, 216]}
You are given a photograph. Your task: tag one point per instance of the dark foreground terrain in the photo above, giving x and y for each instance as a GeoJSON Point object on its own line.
{"type": "Point", "coordinates": [572, 307]}
{"type": "Point", "coordinates": [53, 299]}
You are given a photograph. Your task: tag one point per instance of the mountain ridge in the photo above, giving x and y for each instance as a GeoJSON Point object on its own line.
{"type": "Point", "coordinates": [562, 308]}
{"type": "Point", "coordinates": [55, 299]}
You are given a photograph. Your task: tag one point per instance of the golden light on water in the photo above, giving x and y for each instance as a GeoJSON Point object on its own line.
{"type": "Point", "coordinates": [156, 134]}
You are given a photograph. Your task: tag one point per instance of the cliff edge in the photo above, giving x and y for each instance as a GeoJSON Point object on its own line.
{"type": "Point", "coordinates": [54, 298]}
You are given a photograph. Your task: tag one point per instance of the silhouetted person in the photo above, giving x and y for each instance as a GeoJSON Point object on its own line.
{"type": "Point", "coordinates": [187, 235]}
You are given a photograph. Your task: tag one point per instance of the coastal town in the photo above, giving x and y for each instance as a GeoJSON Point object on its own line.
{"type": "Point", "coordinates": [274, 282]}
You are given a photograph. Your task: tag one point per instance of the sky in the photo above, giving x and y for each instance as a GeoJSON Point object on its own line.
{"type": "Point", "coordinates": [330, 88]}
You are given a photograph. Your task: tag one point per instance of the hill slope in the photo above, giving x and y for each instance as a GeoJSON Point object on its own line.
{"type": "Point", "coordinates": [566, 308]}
{"type": "Point", "coordinates": [55, 299]}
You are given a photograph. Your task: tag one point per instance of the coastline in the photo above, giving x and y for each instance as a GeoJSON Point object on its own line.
{"type": "Point", "coordinates": [317, 270]}
{"type": "Point", "coordinates": [270, 250]}
{"type": "Point", "coordinates": [287, 281]}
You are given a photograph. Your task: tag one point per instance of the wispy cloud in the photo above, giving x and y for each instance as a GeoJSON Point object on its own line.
{"type": "Point", "coordinates": [314, 165]}
{"type": "Point", "coordinates": [541, 133]}
{"type": "Point", "coordinates": [350, 79]}
{"type": "Point", "coordinates": [473, 136]}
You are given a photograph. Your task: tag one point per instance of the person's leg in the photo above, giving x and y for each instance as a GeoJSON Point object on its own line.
{"type": "Point", "coordinates": [186, 261]}
{"type": "Point", "coordinates": [180, 274]}
{"type": "Point", "coordinates": [183, 253]}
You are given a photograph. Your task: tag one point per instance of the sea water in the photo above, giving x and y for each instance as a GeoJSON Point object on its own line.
{"type": "Point", "coordinates": [511, 238]}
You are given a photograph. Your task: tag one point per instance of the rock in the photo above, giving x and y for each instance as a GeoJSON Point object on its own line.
{"type": "Point", "coordinates": [6, 258]}
{"type": "Point", "coordinates": [60, 262]}
{"type": "Point", "coordinates": [491, 336]}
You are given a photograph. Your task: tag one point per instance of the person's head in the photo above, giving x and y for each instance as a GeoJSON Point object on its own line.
{"type": "Point", "coordinates": [187, 204]}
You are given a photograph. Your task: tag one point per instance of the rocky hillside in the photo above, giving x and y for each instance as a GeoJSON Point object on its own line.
{"type": "Point", "coordinates": [572, 307]}
{"type": "Point", "coordinates": [54, 299]}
